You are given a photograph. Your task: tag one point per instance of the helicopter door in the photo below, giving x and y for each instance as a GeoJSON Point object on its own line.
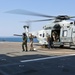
{"type": "Point", "coordinates": [66, 34]}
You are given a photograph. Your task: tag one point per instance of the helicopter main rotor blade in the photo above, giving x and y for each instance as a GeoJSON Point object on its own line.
{"type": "Point", "coordinates": [25, 12]}
{"type": "Point", "coordinates": [71, 16]}
{"type": "Point", "coordinates": [17, 35]}
{"type": "Point", "coordinates": [29, 21]}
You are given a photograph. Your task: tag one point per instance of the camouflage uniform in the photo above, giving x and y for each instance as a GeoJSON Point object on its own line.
{"type": "Point", "coordinates": [24, 43]}
{"type": "Point", "coordinates": [31, 42]}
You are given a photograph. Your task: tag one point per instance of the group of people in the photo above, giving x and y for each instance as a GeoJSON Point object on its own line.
{"type": "Point", "coordinates": [53, 38]}
{"type": "Point", "coordinates": [50, 40]}
{"type": "Point", "coordinates": [24, 43]}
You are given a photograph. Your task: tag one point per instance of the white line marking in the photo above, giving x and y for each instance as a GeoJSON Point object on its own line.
{"type": "Point", "coordinates": [38, 59]}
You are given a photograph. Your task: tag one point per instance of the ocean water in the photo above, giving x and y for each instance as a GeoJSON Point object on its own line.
{"type": "Point", "coordinates": [14, 39]}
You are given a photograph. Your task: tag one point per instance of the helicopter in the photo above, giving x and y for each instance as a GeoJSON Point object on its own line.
{"type": "Point", "coordinates": [63, 27]}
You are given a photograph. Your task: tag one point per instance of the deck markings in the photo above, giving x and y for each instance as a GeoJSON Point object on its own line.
{"type": "Point", "coordinates": [45, 58]}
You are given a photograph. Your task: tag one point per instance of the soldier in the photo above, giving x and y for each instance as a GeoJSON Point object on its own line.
{"type": "Point", "coordinates": [24, 43]}
{"type": "Point", "coordinates": [31, 42]}
{"type": "Point", "coordinates": [49, 41]}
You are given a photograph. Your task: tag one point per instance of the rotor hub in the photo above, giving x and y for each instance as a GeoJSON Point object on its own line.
{"type": "Point", "coordinates": [62, 17]}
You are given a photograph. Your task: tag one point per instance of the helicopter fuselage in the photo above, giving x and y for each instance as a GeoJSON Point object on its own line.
{"type": "Point", "coordinates": [65, 33]}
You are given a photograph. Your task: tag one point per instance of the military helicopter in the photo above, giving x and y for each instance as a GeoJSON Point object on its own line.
{"type": "Point", "coordinates": [62, 26]}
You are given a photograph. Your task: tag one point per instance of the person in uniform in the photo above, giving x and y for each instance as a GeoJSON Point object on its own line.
{"type": "Point", "coordinates": [49, 41]}
{"type": "Point", "coordinates": [24, 43]}
{"type": "Point", "coordinates": [31, 42]}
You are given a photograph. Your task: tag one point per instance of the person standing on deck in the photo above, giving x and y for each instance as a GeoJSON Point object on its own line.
{"type": "Point", "coordinates": [24, 43]}
{"type": "Point", "coordinates": [49, 41]}
{"type": "Point", "coordinates": [31, 42]}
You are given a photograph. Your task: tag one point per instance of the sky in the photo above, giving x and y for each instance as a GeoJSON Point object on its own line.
{"type": "Point", "coordinates": [12, 23]}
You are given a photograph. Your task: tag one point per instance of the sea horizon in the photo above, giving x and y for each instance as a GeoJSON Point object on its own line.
{"type": "Point", "coordinates": [14, 39]}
